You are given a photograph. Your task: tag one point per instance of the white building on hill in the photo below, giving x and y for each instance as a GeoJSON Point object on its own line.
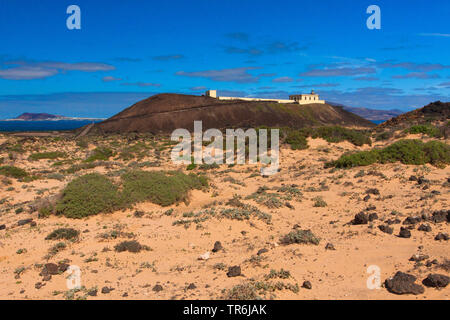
{"type": "Point", "coordinates": [310, 98]}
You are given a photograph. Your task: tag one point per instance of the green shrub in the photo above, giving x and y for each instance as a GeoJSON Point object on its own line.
{"type": "Point", "coordinates": [13, 172]}
{"type": "Point", "coordinates": [405, 151]}
{"type": "Point", "coordinates": [63, 233]}
{"type": "Point", "coordinates": [101, 153]}
{"type": "Point", "coordinates": [163, 188]}
{"type": "Point", "coordinates": [338, 134]}
{"type": "Point", "coordinates": [297, 140]}
{"type": "Point", "coordinates": [386, 135]}
{"type": "Point", "coordinates": [130, 246]}
{"type": "Point", "coordinates": [300, 236]}
{"type": "Point", "coordinates": [88, 195]}
{"type": "Point", "coordinates": [427, 129]}
{"type": "Point", "coordinates": [48, 155]}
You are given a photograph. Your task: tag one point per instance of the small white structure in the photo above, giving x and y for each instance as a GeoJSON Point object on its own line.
{"type": "Point", "coordinates": [306, 98]}
{"type": "Point", "coordinates": [298, 99]}
{"type": "Point", "coordinates": [211, 93]}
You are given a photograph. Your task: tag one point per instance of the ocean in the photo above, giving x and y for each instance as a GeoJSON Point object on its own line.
{"type": "Point", "coordinates": [44, 125]}
{"type": "Point", "coordinates": [17, 126]}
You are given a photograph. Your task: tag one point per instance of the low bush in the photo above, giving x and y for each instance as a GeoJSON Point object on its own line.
{"type": "Point", "coordinates": [13, 172]}
{"type": "Point", "coordinates": [88, 195]}
{"type": "Point", "coordinates": [300, 236]}
{"type": "Point", "coordinates": [48, 155]}
{"type": "Point", "coordinates": [100, 153]}
{"type": "Point", "coordinates": [63, 233]}
{"type": "Point", "coordinates": [427, 129]}
{"type": "Point", "coordinates": [95, 193]}
{"type": "Point", "coordinates": [163, 188]}
{"type": "Point", "coordinates": [338, 134]}
{"type": "Point", "coordinates": [405, 151]}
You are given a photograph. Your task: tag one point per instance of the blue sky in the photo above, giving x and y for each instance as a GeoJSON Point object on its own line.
{"type": "Point", "coordinates": [129, 50]}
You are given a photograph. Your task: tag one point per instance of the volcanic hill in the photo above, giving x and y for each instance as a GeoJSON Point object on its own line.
{"type": "Point", "coordinates": [435, 112]}
{"type": "Point", "coordinates": [164, 113]}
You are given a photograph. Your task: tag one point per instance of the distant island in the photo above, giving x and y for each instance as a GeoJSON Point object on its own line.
{"type": "Point", "coordinates": [370, 114]}
{"type": "Point", "coordinates": [27, 116]}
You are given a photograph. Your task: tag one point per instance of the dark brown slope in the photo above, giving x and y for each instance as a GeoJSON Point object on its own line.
{"type": "Point", "coordinates": [434, 112]}
{"type": "Point", "coordinates": [164, 113]}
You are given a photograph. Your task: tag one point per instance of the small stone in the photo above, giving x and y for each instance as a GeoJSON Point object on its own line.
{"type": "Point", "coordinates": [261, 251]}
{"type": "Point", "coordinates": [204, 256]}
{"type": "Point", "coordinates": [330, 246]}
{"type": "Point", "coordinates": [217, 246]}
{"type": "Point", "coordinates": [441, 236]}
{"type": "Point", "coordinates": [412, 220]}
{"type": "Point", "coordinates": [424, 227]}
{"type": "Point", "coordinates": [413, 178]}
{"type": "Point", "coordinates": [157, 288]}
{"type": "Point", "coordinates": [404, 233]}
{"type": "Point", "coordinates": [92, 292]}
{"type": "Point", "coordinates": [234, 271]}
{"type": "Point", "coordinates": [373, 217]}
{"type": "Point", "coordinates": [2, 226]}
{"type": "Point", "coordinates": [361, 218]}
{"type": "Point", "coordinates": [24, 222]}
{"type": "Point", "coordinates": [307, 285]}
{"type": "Point", "coordinates": [436, 281]}
{"type": "Point", "coordinates": [106, 290]}
{"type": "Point", "coordinates": [191, 286]}
{"type": "Point", "coordinates": [366, 198]}
{"type": "Point", "coordinates": [47, 278]}
{"type": "Point", "coordinates": [50, 268]}
{"type": "Point", "coordinates": [419, 257]}
{"type": "Point", "coordinates": [373, 191]}
{"type": "Point", "coordinates": [386, 229]}
{"type": "Point", "coordinates": [125, 295]}
{"type": "Point", "coordinates": [39, 285]}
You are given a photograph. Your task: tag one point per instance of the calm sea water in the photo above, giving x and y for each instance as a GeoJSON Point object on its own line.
{"type": "Point", "coordinates": [378, 121]}
{"type": "Point", "coordinates": [43, 125]}
{"type": "Point", "coordinates": [55, 125]}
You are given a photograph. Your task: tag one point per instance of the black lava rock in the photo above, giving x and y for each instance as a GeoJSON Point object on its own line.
{"type": "Point", "coordinates": [234, 271]}
{"type": "Point", "coordinates": [386, 229]}
{"type": "Point", "coordinates": [403, 283]}
{"type": "Point", "coordinates": [217, 246]}
{"type": "Point", "coordinates": [404, 233]}
{"type": "Point", "coordinates": [361, 218]}
{"type": "Point", "coordinates": [436, 281]}
{"type": "Point", "coordinates": [307, 285]}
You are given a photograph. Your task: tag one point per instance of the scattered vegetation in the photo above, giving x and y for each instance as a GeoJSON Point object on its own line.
{"type": "Point", "coordinates": [63, 233]}
{"type": "Point", "coordinates": [163, 188]}
{"type": "Point", "coordinates": [300, 236]}
{"type": "Point", "coordinates": [426, 129]}
{"type": "Point", "coordinates": [100, 153]}
{"type": "Point", "coordinates": [13, 172]}
{"type": "Point", "coordinates": [94, 193]}
{"type": "Point", "coordinates": [88, 195]}
{"type": "Point", "coordinates": [48, 155]}
{"type": "Point", "coordinates": [405, 151]}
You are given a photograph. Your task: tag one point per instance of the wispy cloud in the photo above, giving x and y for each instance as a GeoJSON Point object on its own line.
{"type": "Point", "coordinates": [366, 79]}
{"type": "Point", "coordinates": [444, 35]}
{"type": "Point", "coordinates": [241, 36]}
{"type": "Point", "coordinates": [318, 85]}
{"type": "Point", "coordinates": [239, 75]}
{"type": "Point", "coordinates": [29, 70]}
{"type": "Point", "coordinates": [110, 79]}
{"type": "Point", "coordinates": [169, 57]}
{"type": "Point", "coordinates": [283, 80]}
{"type": "Point", "coordinates": [416, 75]}
{"type": "Point", "coordinates": [275, 47]}
{"type": "Point", "coordinates": [419, 67]}
{"type": "Point", "coordinates": [141, 84]}
{"type": "Point", "coordinates": [338, 72]}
